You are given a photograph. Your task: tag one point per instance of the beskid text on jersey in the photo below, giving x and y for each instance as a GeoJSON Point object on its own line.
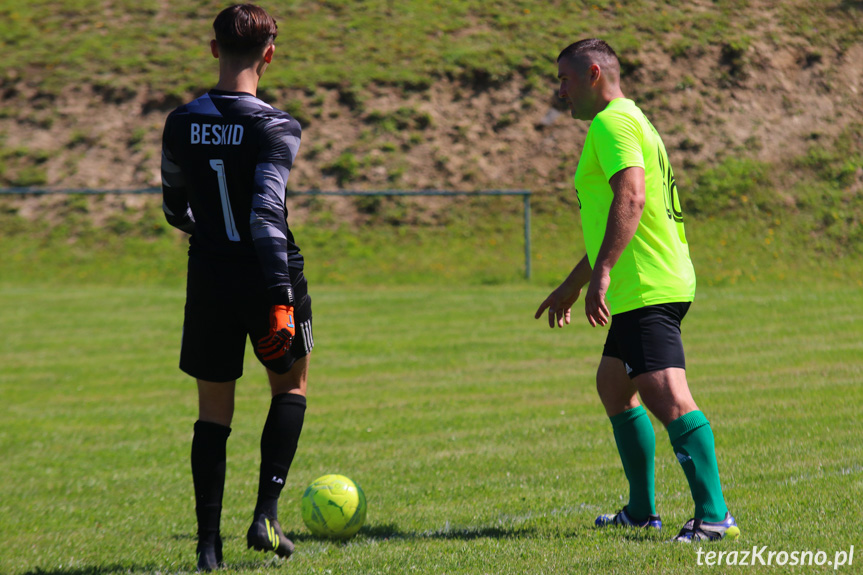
{"type": "Point", "coordinates": [216, 134]}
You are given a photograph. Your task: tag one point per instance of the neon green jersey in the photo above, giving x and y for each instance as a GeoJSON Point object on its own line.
{"type": "Point", "coordinates": [655, 267]}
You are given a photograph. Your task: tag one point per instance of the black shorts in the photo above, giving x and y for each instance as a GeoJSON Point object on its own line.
{"type": "Point", "coordinates": [225, 303]}
{"type": "Point", "coordinates": [648, 338]}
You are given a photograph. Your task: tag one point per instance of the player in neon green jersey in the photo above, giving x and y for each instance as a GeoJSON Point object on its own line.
{"type": "Point", "coordinates": [640, 278]}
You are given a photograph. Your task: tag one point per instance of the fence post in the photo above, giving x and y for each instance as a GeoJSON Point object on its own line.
{"type": "Point", "coordinates": [527, 236]}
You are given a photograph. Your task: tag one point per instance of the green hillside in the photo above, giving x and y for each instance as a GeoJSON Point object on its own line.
{"type": "Point", "coordinates": [155, 45]}
{"type": "Point", "coordinates": [758, 102]}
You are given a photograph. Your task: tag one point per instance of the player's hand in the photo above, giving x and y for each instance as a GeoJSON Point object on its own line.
{"type": "Point", "coordinates": [277, 343]}
{"type": "Point", "coordinates": [595, 307]}
{"type": "Point", "coordinates": [559, 304]}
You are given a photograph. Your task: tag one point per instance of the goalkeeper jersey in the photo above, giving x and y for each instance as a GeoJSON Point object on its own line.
{"type": "Point", "coordinates": [226, 159]}
{"type": "Point", "coordinates": [655, 267]}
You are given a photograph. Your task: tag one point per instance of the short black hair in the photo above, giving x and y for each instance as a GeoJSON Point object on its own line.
{"type": "Point", "coordinates": [244, 29]}
{"type": "Point", "coordinates": [588, 46]}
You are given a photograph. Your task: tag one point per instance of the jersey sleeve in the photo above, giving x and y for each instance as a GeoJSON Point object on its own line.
{"type": "Point", "coordinates": [269, 217]}
{"type": "Point", "coordinates": [617, 139]}
{"type": "Point", "coordinates": [175, 202]}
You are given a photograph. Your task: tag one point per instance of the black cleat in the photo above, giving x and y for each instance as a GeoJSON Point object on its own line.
{"type": "Point", "coordinates": [210, 555]}
{"type": "Point", "coordinates": [265, 534]}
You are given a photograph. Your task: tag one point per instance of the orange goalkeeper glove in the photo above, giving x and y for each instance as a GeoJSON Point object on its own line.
{"type": "Point", "coordinates": [276, 344]}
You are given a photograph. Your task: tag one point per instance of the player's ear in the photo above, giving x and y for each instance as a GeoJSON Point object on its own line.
{"type": "Point", "coordinates": [214, 48]}
{"type": "Point", "coordinates": [268, 53]}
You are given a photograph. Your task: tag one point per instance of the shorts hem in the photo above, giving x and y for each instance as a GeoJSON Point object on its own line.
{"type": "Point", "coordinates": [633, 374]}
{"type": "Point", "coordinates": [209, 377]}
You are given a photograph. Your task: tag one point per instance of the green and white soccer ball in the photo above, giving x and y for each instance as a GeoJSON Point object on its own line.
{"type": "Point", "coordinates": [334, 507]}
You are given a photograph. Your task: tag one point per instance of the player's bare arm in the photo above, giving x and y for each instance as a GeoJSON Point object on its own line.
{"type": "Point", "coordinates": [560, 301]}
{"type": "Point", "coordinates": [624, 215]}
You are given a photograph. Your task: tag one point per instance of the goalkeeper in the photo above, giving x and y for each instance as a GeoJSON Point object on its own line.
{"type": "Point", "coordinates": [226, 158]}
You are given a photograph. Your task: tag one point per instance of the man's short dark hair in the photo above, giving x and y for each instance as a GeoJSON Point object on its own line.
{"type": "Point", "coordinates": [593, 46]}
{"type": "Point", "coordinates": [244, 29]}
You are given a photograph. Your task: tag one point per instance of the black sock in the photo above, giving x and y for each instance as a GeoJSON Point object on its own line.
{"type": "Point", "coordinates": [278, 446]}
{"type": "Point", "coordinates": [208, 474]}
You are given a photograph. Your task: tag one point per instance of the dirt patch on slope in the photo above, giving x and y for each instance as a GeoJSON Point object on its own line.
{"type": "Point", "coordinates": [768, 103]}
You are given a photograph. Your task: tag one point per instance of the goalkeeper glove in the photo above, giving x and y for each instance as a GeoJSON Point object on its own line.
{"type": "Point", "coordinates": [276, 344]}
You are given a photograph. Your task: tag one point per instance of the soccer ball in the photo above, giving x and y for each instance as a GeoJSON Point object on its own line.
{"type": "Point", "coordinates": [334, 506]}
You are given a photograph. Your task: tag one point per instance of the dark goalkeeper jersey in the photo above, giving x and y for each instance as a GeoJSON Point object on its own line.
{"type": "Point", "coordinates": [226, 158]}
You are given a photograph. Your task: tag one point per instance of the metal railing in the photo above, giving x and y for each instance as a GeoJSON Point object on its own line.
{"type": "Point", "coordinates": [525, 194]}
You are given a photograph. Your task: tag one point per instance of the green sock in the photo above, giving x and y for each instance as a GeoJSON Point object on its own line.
{"type": "Point", "coordinates": [692, 440]}
{"type": "Point", "coordinates": [636, 444]}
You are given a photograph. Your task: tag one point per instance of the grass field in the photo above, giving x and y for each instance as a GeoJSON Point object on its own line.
{"type": "Point", "coordinates": [473, 429]}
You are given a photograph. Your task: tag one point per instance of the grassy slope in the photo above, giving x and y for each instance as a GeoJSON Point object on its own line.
{"type": "Point", "coordinates": [153, 44]}
{"type": "Point", "coordinates": [125, 47]}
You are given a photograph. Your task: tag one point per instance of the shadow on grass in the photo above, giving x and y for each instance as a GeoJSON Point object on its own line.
{"type": "Point", "coordinates": [271, 562]}
{"type": "Point", "coordinates": [373, 532]}
{"type": "Point", "coordinates": [392, 531]}
{"type": "Point", "coordinates": [632, 535]}
{"type": "Point", "coordinates": [96, 570]}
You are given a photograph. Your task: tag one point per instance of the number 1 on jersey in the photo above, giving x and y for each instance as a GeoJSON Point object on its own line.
{"type": "Point", "coordinates": [230, 226]}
